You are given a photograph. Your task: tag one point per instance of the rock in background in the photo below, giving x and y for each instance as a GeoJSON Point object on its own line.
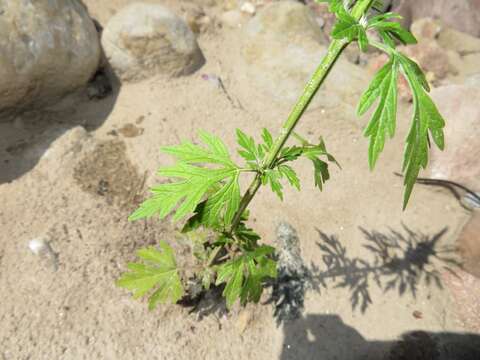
{"type": "Point", "coordinates": [47, 49]}
{"type": "Point", "coordinates": [144, 40]}
{"type": "Point", "coordinates": [459, 162]}
{"type": "Point", "coordinates": [283, 44]}
{"type": "Point", "coordinates": [462, 15]}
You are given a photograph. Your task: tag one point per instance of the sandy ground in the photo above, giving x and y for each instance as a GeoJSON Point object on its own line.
{"type": "Point", "coordinates": [76, 189]}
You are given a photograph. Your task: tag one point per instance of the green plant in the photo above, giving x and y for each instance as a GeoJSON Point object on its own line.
{"type": "Point", "coordinates": [206, 188]}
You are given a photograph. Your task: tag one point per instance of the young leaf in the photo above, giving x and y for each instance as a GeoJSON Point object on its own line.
{"type": "Point", "coordinates": [384, 85]}
{"type": "Point", "coordinates": [362, 39]}
{"type": "Point", "coordinates": [249, 150]}
{"type": "Point", "coordinates": [290, 174]}
{"type": "Point", "coordinates": [244, 275]}
{"type": "Point", "coordinates": [346, 27]}
{"type": "Point", "coordinates": [267, 139]}
{"type": "Point", "coordinates": [273, 176]}
{"type": "Point", "coordinates": [159, 272]}
{"type": "Point", "coordinates": [389, 30]}
{"type": "Point", "coordinates": [396, 30]}
{"type": "Point", "coordinates": [195, 183]}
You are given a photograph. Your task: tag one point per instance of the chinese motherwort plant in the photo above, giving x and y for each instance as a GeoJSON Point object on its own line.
{"type": "Point", "coordinates": [205, 186]}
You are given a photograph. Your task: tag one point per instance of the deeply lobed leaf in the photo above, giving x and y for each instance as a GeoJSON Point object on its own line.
{"type": "Point", "coordinates": [244, 276]}
{"type": "Point", "coordinates": [159, 274]}
{"type": "Point", "coordinates": [426, 120]}
{"type": "Point", "coordinates": [194, 183]}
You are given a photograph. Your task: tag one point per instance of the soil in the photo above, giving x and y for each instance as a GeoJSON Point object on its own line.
{"type": "Point", "coordinates": [379, 276]}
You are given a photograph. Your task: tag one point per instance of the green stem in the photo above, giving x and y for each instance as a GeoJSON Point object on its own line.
{"type": "Point", "coordinates": [334, 50]}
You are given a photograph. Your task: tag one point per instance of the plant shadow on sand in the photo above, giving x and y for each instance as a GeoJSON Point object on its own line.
{"type": "Point", "coordinates": [399, 261]}
{"type": "Point", "coordinates": [396, 261]}
{"type": "Point", "coordinates": [326, 337]}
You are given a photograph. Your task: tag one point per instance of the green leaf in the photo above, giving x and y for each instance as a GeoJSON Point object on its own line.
{"type": "Point", "coordinates": [215, 153]}
{"type": "Point", "coordinates": [272, 177]}
{"type": "Point", "coordinates": [346, 27]}
{"type": "Point", "coordinates": [159, 273]}
{"type": "Point", "coordinates": [249, 149]}
{"type": "Point", "coordinates": [383, 17]}
{"type": "Point", "coordinates": [362, 39]}
{"type": "Point", "coordinates": [395, 29]}
{"type": "Point", "coordinates": [391, 30]}
{"type": "Point", "coordinates": [383, 86]}
{"type": "Point", "coordinates": [252, 152]}
{"type": "Point", "coordinates": [267, 139]}
{"type": "Point", "coordinates": [321, 173]}
{"type": "Point", "coordinates": [290, 174]}
{"type": "Point", "coordinates": [194, 183]}
{"type": "Point", "coordinates": [244, 276]}
{"type": "Point", "coordinates": [426, 119]}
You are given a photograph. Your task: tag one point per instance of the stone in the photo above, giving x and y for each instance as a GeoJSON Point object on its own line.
{"type": "Point", "coordinates": [47, 49]}
{"type": "Point", "coordinates": [41, 247]}
{"type": "Point", "coordinates": [462, 43]}
{"type": "Point", "coordinates": [248, 8]}
{"type": "Point", "coordinates": [282, 45]}
{"type": "Point", "coordinates": [459, 161]}
{"type": "Point", "coordinates": [464, 289]}
{"type": "Point", "coordinates": [144, 40]}
{"type": "Point", "coordinates": [462, 15]}
{"type": "Point", "coordinates": [433, 59]}
{"type": "Point", "coordinates": [293, 279]}
{"type": "Point", "coordinates": [287, 20]}
{"type": "Point", "coordinates": [426, 29]}
{"type": "Point", "coordinates": [468, 244]}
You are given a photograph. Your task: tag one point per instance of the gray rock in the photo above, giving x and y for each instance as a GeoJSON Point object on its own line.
{"type": "Point", "coordinates": [462, 15]}
{"type": "Point", "coordinates": [143, 40]}
{"type": "Point", "coordinates": [460, 42]}
{"type": "Point", "coordinates": [47, 48]}
{"type": "Point", "coordinates": [293, 278]}
{"type": "Point", "coordinates": [283, 44]}
{"type": "Point", "coordinates": [459, 162]}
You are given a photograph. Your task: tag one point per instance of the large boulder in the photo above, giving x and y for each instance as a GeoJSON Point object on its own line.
{"type": "Point", "coordinates": [143, 40]}
{"type": "Point", "coordinates": [462, 15]}
{"type": "Point", "coordinates": [47, 48]}
{"type": "Point", "coordinates": [282, 46]}
{"type": "Point", "coordinates": [459, 162]}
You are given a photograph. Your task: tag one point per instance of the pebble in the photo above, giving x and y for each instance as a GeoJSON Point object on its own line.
{"type": "Point", "coordinates": [41, 248]}
{"type": "Point", "coordinates": [248, 7]}
{"type": "Point", "coordinates": [38, 246]}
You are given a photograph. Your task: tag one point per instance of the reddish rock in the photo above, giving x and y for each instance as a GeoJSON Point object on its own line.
{"type": "Point", "coordinates": [462, 15]}
{"type": "Point", "coordinates": [433, 59]}
{"type": "Point", "coordinates": [465, 291]}
{"type": "Point", "coordinates": [469, 245]}
{"type": "Point", "coordinates": [459, 162]}
{"type": "Point", "coordinates": [426, 29]}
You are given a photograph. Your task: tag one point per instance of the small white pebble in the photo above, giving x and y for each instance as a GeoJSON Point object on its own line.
{"type": "Point", "coordinates": [248, 7]}
{"type": "Point", "coordinates": [37, 246]}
